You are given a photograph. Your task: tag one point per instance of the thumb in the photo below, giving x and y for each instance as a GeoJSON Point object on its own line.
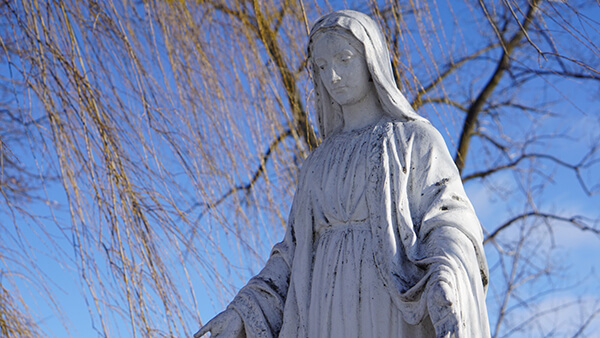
{"type": "Point", "coordinates": [203, 330]}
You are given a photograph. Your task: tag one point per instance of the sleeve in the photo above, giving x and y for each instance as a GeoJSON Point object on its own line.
{"type": "Point", "coordinates": [436, 194]}
{"type": "Point", "coordinates": [448, 232]}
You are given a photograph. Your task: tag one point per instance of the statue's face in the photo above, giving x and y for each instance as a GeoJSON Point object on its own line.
{"type": "Point", "coordinates": [342, 68]}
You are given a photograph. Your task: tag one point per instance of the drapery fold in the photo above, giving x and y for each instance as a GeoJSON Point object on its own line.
{"type": "Point", "coordinates": [423, 227]}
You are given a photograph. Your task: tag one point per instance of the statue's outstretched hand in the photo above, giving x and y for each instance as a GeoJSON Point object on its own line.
{"type": "Point", "coordinates": [227, 324]}
{"type": "Point", "coordinates": [441, 301]}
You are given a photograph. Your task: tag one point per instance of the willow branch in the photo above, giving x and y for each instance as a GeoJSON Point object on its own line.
{"type": "Point", "coordinates": [278, 18]}
{"type": "Point", "coordinates": [269, 39]}
{"type": "Point", "coordinates": [536, 316]}
{"type": "Point", "coordinates": [260, 26]}
{"type": "Point", "coordinates": [518, 106]}
{"type": "Point", "coordinates": [246, 19]}
{"type": "Point", "coordinates": [257, 174]}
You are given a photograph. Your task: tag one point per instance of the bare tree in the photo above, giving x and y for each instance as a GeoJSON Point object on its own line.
{"type": "Point", "coordinates": [175, 131]}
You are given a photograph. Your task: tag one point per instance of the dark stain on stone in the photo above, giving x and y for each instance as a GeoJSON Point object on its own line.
{"type": "Point", "coordinates": [443, 181]}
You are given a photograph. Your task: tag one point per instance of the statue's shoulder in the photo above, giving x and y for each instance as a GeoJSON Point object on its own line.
{"type": "Point", "coordinates": [313, 156]}
{"type": "Point", "coordinates": [420, 129]}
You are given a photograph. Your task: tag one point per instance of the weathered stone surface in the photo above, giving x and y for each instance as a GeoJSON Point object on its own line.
{"type": "Point", "coordinates": [382, 240]}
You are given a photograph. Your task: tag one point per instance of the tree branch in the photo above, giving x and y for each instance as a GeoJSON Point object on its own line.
{"type": "Point", "coordinates": [523, 29]}
{"type": "Point", "coordinates": [486, 92]}
{"type": "Point", "coordinates": [257, 173]}
{"type": "Point", "coordinates": [418, 101]}
{"type": "Point", "coordinates": [443, 100]}
{"type": "Point", "coordinates": [585, 162]}
{"type": "Point", "coordinates": [246, 19]}
{"type": "Point", "coordinates": [496, 144]}
{"type": "Point", "coordinates": [278, 17]}
{"type": "Point", "coordinates": [587, 323]}
{"type": "Point", "coordinates": [260, 26]}
{"type": "Point", "coordinates": [269, 39]}
{"type": "Point", "coordinates": [563, 74]}
{"type": "Point", "coordinates": [575, 220]}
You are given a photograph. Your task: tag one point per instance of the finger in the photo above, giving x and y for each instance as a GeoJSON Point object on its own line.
{"type": "Point", "coordinates": [443, 335]}
{"type": "Point", "coordinates": [203, 330]}
{"type": "Point", "coordinates": [446, 334]}
{"type": "Point", "coordinates": [450, 330]}
{"type": "Point", "coordinates": [443, 293]}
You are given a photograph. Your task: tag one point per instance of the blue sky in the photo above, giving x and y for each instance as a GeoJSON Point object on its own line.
{"type": "Point", "coordinates": [575, 251]}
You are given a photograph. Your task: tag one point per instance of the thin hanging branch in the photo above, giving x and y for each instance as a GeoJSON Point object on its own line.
{"type": "Point", "coordinates": [269, 39]}
{"type": "Point", "coordinates": [260, 25]}
{"type": "Point", "coordinates": [257, 174]}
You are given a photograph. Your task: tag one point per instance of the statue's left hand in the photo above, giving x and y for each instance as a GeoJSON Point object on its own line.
{"type": "Point", "coordinates": [442, 305]}
{"type": "Point", "coordinates": [226, 324]}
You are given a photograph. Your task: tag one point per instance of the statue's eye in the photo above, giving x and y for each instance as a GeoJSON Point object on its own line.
{"type": "Point", "coordinates": [346, 56]}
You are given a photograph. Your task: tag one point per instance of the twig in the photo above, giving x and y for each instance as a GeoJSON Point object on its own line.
{"type": "Point", "coordinates": [257, 173]}
{"type": "Point", "coordinates": [573, 220]}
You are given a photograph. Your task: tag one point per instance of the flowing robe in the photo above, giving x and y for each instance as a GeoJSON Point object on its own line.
{"type": "Point", "coordinates": [422, 225]}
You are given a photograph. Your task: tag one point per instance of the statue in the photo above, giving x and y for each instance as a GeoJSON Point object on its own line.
{"type": "Point", "coordinates": [381, 239]}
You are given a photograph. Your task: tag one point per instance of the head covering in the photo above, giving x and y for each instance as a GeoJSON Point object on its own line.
{"type": "Point", "coordinates": [365, 30]}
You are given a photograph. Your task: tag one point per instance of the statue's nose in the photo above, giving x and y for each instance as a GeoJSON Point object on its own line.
{"type": "Point", "coordinates": [335, 78]}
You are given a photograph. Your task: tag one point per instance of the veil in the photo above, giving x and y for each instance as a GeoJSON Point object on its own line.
{"type": "Point", "coordinates": [365, 30]}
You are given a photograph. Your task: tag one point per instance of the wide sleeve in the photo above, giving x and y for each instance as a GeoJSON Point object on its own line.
{"type": "Point", "coordinates": [449, 241]}
{"type": "Point", "coordinates": [436, 196]}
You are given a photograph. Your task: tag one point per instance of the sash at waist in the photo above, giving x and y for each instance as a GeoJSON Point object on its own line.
{"type": "Point", "coordinates": [336, 226]}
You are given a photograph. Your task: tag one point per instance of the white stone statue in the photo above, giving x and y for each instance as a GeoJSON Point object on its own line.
{"type": "Point", "coordinates": [381, 239]}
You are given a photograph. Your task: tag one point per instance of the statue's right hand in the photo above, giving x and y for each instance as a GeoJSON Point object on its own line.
{"type": "Point", "coordinates": [442, 304]}
{"type": "Point", "coordinates": [227, 324]}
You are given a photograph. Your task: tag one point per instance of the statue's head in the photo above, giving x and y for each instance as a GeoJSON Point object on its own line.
{"type": "Point", "coordinates": [354, 40]}
{"type": "Point", "coordinates": [339, 62]}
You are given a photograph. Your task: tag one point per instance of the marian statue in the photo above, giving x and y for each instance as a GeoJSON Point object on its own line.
{"type": "Point", "coordinates": [382, 240]}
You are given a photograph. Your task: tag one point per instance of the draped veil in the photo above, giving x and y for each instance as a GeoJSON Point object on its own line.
{"type": "Point", "coordinates": [377, 56]}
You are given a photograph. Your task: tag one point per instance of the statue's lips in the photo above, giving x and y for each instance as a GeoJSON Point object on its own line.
{"type": "Point", "coordinates": [339, 89]}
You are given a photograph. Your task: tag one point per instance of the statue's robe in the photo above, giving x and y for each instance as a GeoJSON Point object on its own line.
{"type": "Point", "coordinates": [422, 223]}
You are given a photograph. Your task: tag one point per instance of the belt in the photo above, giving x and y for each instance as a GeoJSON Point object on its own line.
{"type": "Point", "coordinates": [343, 226]}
